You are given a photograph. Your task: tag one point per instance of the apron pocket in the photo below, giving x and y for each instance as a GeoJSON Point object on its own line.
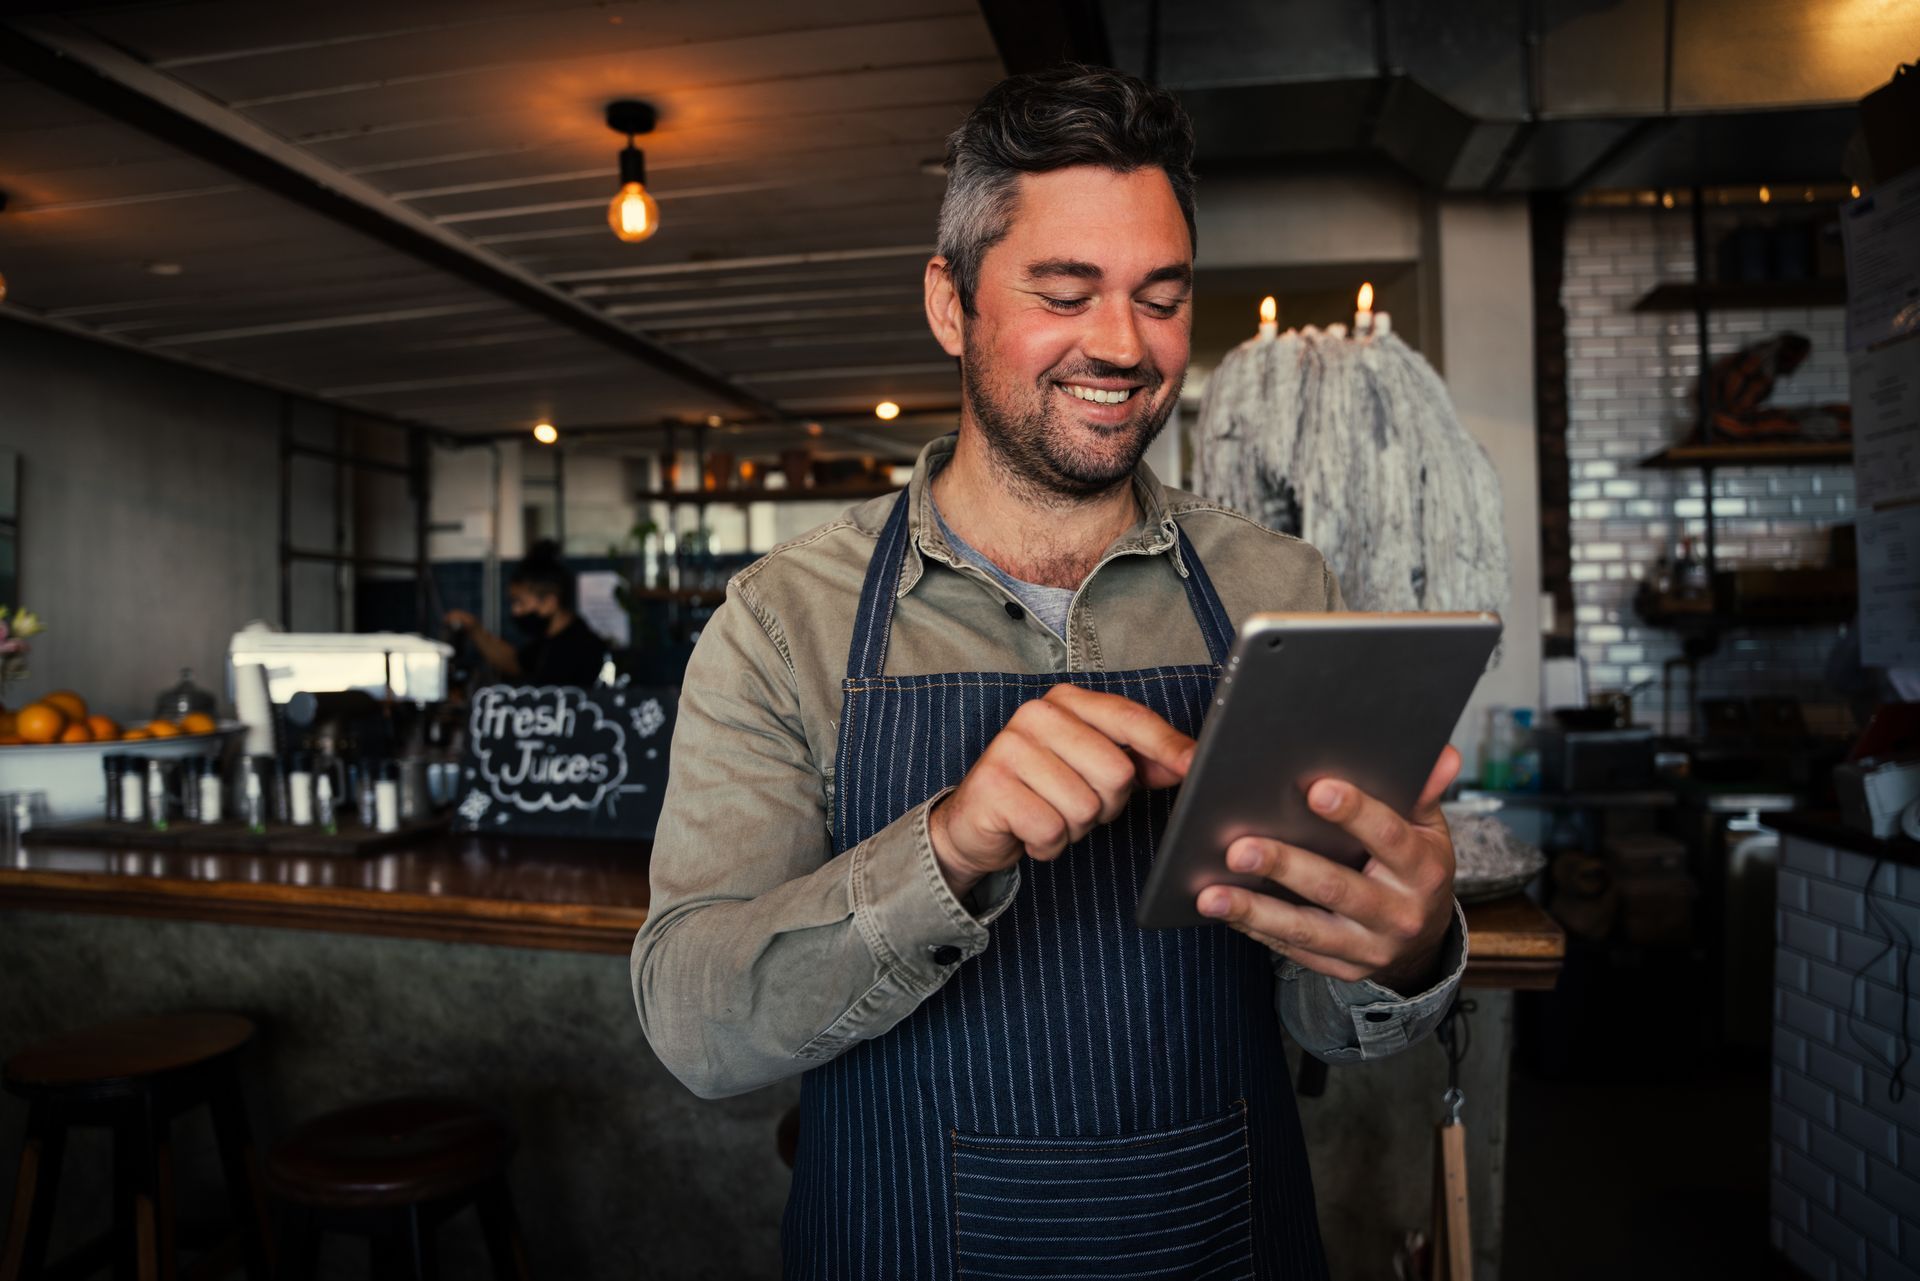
{"type": "Point", "coordinates": [1168, 1203]}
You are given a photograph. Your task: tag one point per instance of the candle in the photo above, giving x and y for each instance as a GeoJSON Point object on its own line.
{"type": "Point", "coordinates": [1336, 331]}
{"type": "Point", "coordinates": [1382, 325]}
{"type": "Point", "coordinates": [1363, 318]}
{"type": "Point", "coordinates": [1269, 317]}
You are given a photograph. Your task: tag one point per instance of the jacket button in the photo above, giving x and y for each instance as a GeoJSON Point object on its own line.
{"type": "Point", "coordinates": [1378, 1016]}
{"type": "Point", "coordinates": [1015, 612]}
{"type": "Point", "coordinates": [945, 954]}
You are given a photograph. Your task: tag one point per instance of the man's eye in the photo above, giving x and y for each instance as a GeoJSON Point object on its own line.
{"type": "Point", "coordinates": [1063, 304]}
{"type": "Point", "coordinates": [1165, 310]}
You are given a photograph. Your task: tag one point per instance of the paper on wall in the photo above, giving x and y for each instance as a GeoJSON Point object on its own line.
{"type": "Point", "coordinates": [1881, 231]}
{"type": "Point", "coordinates": [1886, 423]}
{"type": "Point", "coordinates": [1889, 544]}
{"type": "Point", "coordinates": [598, 605]}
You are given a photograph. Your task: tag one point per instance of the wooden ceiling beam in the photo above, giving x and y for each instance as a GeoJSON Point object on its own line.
{"type": "Point", "coordinates": [67, 59]}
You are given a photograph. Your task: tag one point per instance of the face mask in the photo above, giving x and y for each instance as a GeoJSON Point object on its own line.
{"type": "Point", "coordinates": [532, 624]}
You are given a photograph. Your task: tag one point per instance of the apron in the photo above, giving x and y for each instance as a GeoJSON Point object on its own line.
{"type": "Point", "coordinates": [1083, 1099]}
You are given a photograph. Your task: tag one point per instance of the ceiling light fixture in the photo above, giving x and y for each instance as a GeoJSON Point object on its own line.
{"type": "Point", "coordinates": [545, 432]}
{"type": "Point", "coordinates": [633, 215]}
{"type": "Point", "coordinates": [3, 277]}
{"type": "Point", "coordinates": [886, 411]}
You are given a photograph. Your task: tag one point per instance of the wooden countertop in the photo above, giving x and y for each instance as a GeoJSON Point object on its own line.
{"type": "Point", "coordinates": [582, 896]}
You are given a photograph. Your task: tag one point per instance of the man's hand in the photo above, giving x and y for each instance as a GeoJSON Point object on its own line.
{"type": "Point", "coordinates": [1063, 765]}
{"type": "Point", "coordinates": [461, 620]}
{"type": "Point", "coordinates": [1385, 922]}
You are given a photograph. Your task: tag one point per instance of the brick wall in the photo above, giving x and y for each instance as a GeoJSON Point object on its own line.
{"type": "Point", "coordinates": [1631, 381]}
{"type": "Point", "coordinates": [1846, 1157]}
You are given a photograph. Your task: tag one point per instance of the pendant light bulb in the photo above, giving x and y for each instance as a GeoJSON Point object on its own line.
{"type": "Point", "coordinates": [634, 215]}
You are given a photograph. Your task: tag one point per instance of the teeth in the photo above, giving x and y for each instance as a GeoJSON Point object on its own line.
{"type": "Point", "coordinates": [1095, 395]}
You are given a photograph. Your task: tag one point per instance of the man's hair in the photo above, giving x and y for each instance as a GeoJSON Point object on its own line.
{"type": "Point", "coordinates": [544, 572]}
{"type": "Point", "coordinates": [1068, 115]}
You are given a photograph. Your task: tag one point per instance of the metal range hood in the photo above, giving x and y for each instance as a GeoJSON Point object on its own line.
{"type": "Point", "coordinates": [1541, 95]}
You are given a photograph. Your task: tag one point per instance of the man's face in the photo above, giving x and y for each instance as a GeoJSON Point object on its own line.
{"type": "Point", "coordinates": [1086, 298]}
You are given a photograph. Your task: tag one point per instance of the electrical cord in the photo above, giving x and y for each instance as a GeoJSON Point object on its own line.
{"type": "Point", "coordinates": [1902, 948]}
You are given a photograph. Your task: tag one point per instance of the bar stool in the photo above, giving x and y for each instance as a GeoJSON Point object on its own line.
{"type": "Point", "coordinates": [392, 1172]}
{"type": "Point", "coordinates": [134, 1076]}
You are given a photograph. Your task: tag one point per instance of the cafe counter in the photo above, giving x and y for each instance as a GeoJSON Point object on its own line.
{"type": "Point", "coordinates": [496, 969]}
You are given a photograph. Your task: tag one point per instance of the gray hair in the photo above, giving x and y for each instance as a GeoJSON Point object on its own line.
{"type": "Point", "coordinates": [1069, 115]}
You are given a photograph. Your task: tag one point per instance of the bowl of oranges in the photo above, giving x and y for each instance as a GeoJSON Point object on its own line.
{"type": "Point", "coordinates": [57, 744]}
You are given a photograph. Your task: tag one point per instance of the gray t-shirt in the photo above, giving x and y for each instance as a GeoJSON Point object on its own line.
{"type": "Point", "coordinates": [1048, 604]}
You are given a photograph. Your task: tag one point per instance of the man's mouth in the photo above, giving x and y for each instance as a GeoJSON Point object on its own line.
{"type": "Point", "coordinates": [1099, 395]}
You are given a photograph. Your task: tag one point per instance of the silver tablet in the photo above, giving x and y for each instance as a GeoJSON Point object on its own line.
{"type": "Point", "coordinates": [1367, 698]}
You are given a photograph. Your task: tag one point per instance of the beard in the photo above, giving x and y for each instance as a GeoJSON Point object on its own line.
{"type": "Point", "coordinates": [1039, 451]}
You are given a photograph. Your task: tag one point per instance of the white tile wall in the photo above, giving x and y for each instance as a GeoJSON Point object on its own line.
{"type": "Point", "coordinates": [1845, 1202]}
{"type": "Point", "coordinates": [1631, 391]}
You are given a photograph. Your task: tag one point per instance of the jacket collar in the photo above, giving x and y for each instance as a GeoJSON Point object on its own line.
{"type": "Point", "coordinates": [1152, 534]}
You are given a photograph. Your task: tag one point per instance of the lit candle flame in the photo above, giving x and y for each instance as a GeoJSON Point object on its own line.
{"type": "Point", "coordinates": [1269, 310]}
{"type": "Point", "coordinates": [1366, 296]}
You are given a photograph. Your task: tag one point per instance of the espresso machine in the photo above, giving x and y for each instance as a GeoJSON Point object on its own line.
{"type": "Point", "coordinates": [346, 730]}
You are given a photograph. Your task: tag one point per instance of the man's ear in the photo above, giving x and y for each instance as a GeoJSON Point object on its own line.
{"type": "Point", "coordinates": [944, 314]}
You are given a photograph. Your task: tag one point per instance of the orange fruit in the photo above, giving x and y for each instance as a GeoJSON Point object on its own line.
{"type": "Point", "coordinates": [103, 727]}
{"type": "Point", "coordinates": [135, 734]}
{"type": "Point", "coordinates": [39, 723]}
{"type": "Point", "coordinates": [162, 729]}
{"type": "Point", "coordinates": [198, 723]}
{"type": "Point", "coordinates": [68, 702]}
{"type": "Point", "coordinates": [76, 733]}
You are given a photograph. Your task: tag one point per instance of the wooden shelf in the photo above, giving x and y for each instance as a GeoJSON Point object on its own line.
{"type": "Point", "coordinates": [1734, 296]}
{"type": "Point", "coordinates": [1785, 453]}
{"type": "Point", "coordinates": [818, 494]}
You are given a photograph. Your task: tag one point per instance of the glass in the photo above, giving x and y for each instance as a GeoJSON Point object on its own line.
{"type": "Point", "coordinates": [20, 813]}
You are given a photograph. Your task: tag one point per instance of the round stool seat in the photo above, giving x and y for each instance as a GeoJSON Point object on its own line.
{"type": "Point", "coordinates": [126, 1051]}
{"type": "Point", "coordinates": [395, 1152]}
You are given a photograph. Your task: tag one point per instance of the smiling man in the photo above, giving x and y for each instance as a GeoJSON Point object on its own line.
{"type": "Point", "coordinates": [924, 756]}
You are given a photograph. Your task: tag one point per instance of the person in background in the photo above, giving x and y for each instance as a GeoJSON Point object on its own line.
{"type": "Point", "coordinates": [559, 649]}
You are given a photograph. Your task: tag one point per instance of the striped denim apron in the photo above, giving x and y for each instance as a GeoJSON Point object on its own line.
{"type": "Point", "coordinates": [1084, 1098]}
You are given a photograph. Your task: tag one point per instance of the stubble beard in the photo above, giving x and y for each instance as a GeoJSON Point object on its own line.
{"type": "Point", "coordinates": [1033, 448]}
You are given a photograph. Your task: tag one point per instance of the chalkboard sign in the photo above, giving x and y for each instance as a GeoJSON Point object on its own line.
{"type": "Point", "coordinates": [554, 760]}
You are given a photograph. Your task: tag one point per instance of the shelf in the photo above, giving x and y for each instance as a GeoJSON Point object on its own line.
{"type": "Point", "coordinates": [685, 595]}
{"type": "Point", "coordinates": [818, 494]}
{"type": "Point", "coordinates": [1779, 453]}
{"type": "Point", "coordinates": [1744, 296]}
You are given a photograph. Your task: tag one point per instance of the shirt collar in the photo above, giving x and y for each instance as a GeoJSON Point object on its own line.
{"type": "Point", "coordinates": [1152, 534]}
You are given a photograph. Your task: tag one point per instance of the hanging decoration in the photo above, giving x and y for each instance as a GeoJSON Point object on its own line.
{"type": "Point", "coordinates": [1352, 444]}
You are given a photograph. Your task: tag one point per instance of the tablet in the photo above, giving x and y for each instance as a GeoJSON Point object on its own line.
{"type": "Point", "coordinates": [1370, 699]}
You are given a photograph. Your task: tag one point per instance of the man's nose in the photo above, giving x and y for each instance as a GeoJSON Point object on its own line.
{"type": "Point", "coordinates": [1115, 335]}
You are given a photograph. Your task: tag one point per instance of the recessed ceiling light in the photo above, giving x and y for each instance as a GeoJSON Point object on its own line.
{"type": "Point", "coordinates": [545, 432]}
{"type": "Point", "coordinates": [161, 267]}
{"type": "Point", "coordinates": [886, 410]}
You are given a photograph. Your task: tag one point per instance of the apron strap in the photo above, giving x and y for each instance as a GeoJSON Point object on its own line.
{"type": "Point", "coordinates": [873, 624]}
{"type": "Point", "coordinates": [1215, 626]}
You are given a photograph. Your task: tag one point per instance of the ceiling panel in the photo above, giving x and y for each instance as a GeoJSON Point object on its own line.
{"type": "Point", "coordinates": [785, 131]}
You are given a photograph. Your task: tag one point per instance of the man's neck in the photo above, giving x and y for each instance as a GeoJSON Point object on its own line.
{"type": "Point", "coordinates": [1049, 539]}
{"type": "Point", "coordinates": [562, 619]}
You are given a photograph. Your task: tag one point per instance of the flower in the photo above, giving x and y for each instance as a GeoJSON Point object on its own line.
{"type": "Point", "coordinates": [26, 623]}
{"type": "Point", "coordinates": [8, 648]}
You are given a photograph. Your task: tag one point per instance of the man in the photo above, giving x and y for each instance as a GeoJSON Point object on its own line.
{"type": "Point", "coordinates": [924, 755]}
{"type": "Point", "coordinates": [558, 648]}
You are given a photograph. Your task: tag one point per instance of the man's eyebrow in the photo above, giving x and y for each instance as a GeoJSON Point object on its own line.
{"type": "Point", "coordinates": [1180, 273]}
{"type": "Point", "coordinates": [1049, 267]}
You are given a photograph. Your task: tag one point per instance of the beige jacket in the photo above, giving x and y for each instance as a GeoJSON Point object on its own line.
{"type": "Point", "coordinates": [765, 953]}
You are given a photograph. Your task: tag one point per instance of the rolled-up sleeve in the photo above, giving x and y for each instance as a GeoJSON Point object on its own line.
{"type": "Point", "coordinates": [1341, 1022]}
{"type": "Point", "coordinates": [763, 952]}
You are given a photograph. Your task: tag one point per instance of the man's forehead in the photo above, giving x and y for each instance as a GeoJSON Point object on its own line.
{"type": "Point", "coordinates": [1089, 222]}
